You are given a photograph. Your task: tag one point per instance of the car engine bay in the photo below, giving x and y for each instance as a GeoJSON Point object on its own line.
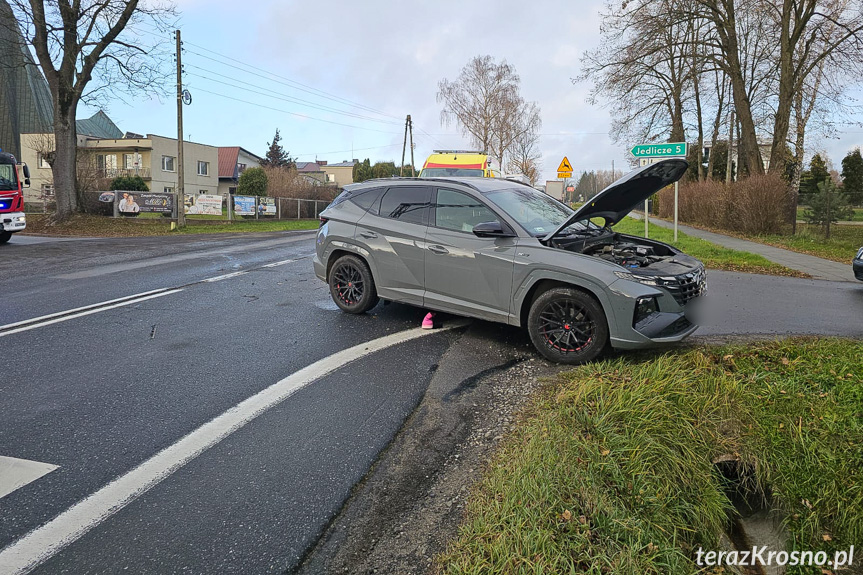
{"type": "Point", "coordinates": [626, 251]}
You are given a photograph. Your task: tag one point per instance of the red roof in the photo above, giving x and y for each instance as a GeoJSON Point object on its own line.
{"type": "Point", "coordinates": [228, 162]}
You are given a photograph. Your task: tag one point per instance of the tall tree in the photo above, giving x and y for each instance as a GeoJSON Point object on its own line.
{"type": "Point", "coordinates": [486, 104]}
{"type": "Point", "coordinates": [84, 46]}
{"type": "Point", "coordinates": [817, 173]}
{"type": "Point", "coordinates": [276, 156]}
{"type": "Point", "coordinates": [852, 176]}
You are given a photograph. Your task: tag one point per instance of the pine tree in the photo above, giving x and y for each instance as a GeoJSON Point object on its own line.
{"type": "Point", "coordinates": [827, 207]}
{"type": "Point", "coordinates": [852, 176]}
{"type": "Point", "coordinates": [809, 179]}
{"type": "Point", "coordinates": [363, 171]}
{"type": "Point", "coordinates": [276, 156]}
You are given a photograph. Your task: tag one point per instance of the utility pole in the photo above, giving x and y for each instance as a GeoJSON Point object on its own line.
{"type": "Point", "coordinates": [181, 191]}
{"type": "Point", "coordinates": [404, 146]}
{"type": "Point", "coordinates": [411, 128]}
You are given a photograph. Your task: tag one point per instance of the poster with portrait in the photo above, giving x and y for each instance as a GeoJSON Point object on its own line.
{"type": "Point", "coordinates": [266, 206]}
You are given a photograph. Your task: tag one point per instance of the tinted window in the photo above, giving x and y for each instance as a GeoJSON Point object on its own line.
{"type": "Point", "coordinates": [406, 204]}
{"type": "Point", "coordinates": [367, 199]}
{"type": "Point", "coordinates": [460, 212]}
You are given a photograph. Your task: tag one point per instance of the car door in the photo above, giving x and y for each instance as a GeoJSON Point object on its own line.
{"type": "Point", "coordinates": [393, 232]}
{"type": "Point", "coordinates": [464, 273]}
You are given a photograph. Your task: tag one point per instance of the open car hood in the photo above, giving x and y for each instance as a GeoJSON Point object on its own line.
{"type": "Point", "coordinates": [617, 200]}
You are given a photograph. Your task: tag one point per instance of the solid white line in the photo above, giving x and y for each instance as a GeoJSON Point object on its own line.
{"type": "Point", "coordinates": [224, 277]}
{"type": "Point", "coordinates": [275, 264]}
{"type": "Point", "coordinates": [43, 542]}
{"type": "Point", "coordinates": [101, 307]}
{"type": "Point", "coordinates": [86, 307]}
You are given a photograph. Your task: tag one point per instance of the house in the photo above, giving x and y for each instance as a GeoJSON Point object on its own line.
{"type": "Point", "coordinates": [312, 172]}
{"type": "Point", "coordinates": [340, 174]}
{"type": "Point", "coordinates": [232, 162]}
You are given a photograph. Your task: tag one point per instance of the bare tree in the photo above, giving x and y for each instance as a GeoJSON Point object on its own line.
{"type": "Point", "coordinates": [524, 157]}
{"type": "Point", "coordinates": [90, 52]}
{"type": "Point", "coordinates": [484, 101]}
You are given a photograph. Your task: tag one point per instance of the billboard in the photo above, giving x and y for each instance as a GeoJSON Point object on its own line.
{"type": "Point", "coordinates": [267, 206]}
{"type": "Point", "coordinates": [244, 205]}
{"type": "Point", "coordinates": [208, 204]}
{"type": "Point", "coordinates": [134, 202]}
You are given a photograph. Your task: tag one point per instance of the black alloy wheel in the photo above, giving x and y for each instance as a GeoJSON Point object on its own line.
{"type": "Point", "coordinates": [352, 286]}
{"type": "Point", "coordinates": [567, 326]}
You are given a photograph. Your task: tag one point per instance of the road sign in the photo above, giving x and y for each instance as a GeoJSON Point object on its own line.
{"type": "Point", "coordinates": [564, 175]}
{"type": "Point", "coordinates": [564, 166]}
{"type": "Point", "coordinates": [670, 150]}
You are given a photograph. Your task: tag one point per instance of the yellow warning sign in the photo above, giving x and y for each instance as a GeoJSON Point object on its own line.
{"type": "Point", "coordinates": [564, 166]}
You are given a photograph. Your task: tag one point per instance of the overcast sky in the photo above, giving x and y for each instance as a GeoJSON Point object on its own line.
{"type": "Point", "coordinates": [385, 56]}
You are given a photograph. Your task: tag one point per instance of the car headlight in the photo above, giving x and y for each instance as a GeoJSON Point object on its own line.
{"type": "Point", "coordinates": [634, 278]}
{"type": "Point", "coordinates": [20, 218]}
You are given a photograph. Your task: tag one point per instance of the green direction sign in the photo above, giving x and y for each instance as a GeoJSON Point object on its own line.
{"type": "Point", "coordinates": [670, 150]}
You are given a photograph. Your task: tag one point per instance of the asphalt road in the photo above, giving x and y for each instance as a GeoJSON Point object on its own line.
{"type": "Point", "coordinates": [100, 394]}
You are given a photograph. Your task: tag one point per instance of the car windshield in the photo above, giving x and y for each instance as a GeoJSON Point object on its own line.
{"type": "Point", "coordinates": [451, 172]}
{"type": "Point", "coordinates": [8, 177]}
{"type": "Point", "coordinates": [538, 213]}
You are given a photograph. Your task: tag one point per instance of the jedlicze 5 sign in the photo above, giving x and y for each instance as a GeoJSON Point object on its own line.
{"type": "Point", "coordinates": [670, 150]}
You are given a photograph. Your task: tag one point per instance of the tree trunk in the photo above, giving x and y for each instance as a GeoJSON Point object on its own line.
{"type": "Point", "coordinates": [65, 142]}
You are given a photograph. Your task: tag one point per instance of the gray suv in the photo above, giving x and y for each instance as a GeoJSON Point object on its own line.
{"type": "Point", "coordinates": [502, 251]}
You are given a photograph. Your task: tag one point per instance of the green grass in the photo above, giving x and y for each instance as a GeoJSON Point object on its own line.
{"type": "Point", "coordinates": [611, 469]}
{"type": "Point", "coordinates": [857, 217]}
{"type": "Point", "coordinates": [843, 243]}
{"type": "Point", "coordinates": [712, 255]}
{"type": "Point", "coordinates": [101, 226]}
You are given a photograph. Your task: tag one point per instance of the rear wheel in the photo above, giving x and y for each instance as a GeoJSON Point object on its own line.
{"type": "Point", "coordinates": [567, 326]}
{"type": "Point", "coordinates": [352, 286]}
{"type": "Point", "coordinates": [5, 237]}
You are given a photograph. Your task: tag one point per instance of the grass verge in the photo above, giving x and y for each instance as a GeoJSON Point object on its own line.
{"type": "Point", "coordinates": [857, 216]}
{"type": "Point", "coordinates": [843, 243]}
{"type": "Point", "coordinates": [611, 469]}
{"type": "Point", "coordinates": [101, 226]}
{"type": "Point", "coordinates": [713, 256]}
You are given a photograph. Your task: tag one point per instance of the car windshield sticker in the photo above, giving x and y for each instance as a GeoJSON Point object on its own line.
{"type": "Point", "coordinates": [540, 230]}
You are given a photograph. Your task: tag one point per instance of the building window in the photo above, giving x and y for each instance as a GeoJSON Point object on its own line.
{"type": "Point", "coordinates": [43, 163]}
{"type": "Point", "coordinates": [169, 190]}
{"type": "Point", "coordinates": [202, 191]}
{"type": "Point", "coordinates": [168, 164]}
{"type": "Point", "coordinates": [331, 177]}
{"type": "Point", "coordinates": [203, 168]}
{"type": "Point", "coordinates": [131, 161]}
{"type": "Point", "coordinates": [241, 168]}
{"type": "Point", "coordinates": [232, 190]}
{"type": "Point", "coordinates": [47, 191]}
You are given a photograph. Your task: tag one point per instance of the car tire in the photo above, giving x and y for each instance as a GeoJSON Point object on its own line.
{"type": "Point", "coordinates": [5, 237]}
{"type": "Point", "coordinates": [567, 326]}
{"type": "Point", "coordinates": [352, 286]}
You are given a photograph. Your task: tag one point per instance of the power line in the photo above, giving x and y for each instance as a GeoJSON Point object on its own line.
{"type": "Point", "coordinates": [351, 150]}
{"type": "Point", "coordinates": [284, 80]}
{"type": "Point", "coordinates": [280, 96]}
{"type": "Point", "coordinates": [293, 113]}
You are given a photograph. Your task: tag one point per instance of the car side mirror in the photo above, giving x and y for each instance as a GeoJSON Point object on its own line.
{"type": "Point", "coordinates": [26, 176]}
{"type": "Point", "coordinates": [491, 230]}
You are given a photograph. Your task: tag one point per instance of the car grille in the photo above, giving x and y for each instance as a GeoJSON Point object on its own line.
{"type": "Point", "coordinates": [685, 286]}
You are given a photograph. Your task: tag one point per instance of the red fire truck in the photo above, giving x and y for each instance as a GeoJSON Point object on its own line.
{"type": "Point", "coordinates": [12, 218]}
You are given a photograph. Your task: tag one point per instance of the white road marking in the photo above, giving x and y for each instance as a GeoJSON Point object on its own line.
{"type": "Point", "coordinates": [43, 542]}
{"type": "Point", "coordinates": [224, 277]}
{"type": "Point", "coordinates": [75, 313]}
{"type": "Point", "coordinates": [276, 264]}
{"type": "Point", "coordinates": [15, 473]}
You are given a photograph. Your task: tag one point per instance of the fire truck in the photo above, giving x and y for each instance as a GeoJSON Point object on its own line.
{"type": "Point", "coordinates": [12, 218]}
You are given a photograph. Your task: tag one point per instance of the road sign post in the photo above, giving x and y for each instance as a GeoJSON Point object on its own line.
{"type": "Point", "coordinates": [649, 154]}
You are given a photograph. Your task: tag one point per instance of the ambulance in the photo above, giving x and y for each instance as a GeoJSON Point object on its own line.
{"type": "Point", "coordinates": [460, 163]}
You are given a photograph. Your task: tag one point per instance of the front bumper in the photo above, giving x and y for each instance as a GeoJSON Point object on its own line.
{"type": "Point", "coordinates": [13, 222]}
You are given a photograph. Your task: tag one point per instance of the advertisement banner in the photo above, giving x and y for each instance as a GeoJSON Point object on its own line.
{"type": "Point", "coordinates": [266, 206]}
{"type": "Point", "coordinates": [156, 202]}
{"type": "Point", "coordinates": [208, 204]}
{"type": "Point", "coordinates": [244, 205]}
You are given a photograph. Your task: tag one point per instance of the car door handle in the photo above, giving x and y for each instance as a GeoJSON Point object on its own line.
{"type": "Point", "coordinates": [369, 235]}
{"type": "Point", "coordinates": [438, 249]}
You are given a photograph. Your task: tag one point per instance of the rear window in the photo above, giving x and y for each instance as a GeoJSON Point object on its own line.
{"type": "Point", "coordinates": [406, 204]}
{"type": "Point", "coordinates": [367, 199]}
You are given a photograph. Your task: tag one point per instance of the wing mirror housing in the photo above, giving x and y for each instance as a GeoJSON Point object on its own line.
{"type": "Point", "coordinates": [26, 176]}
{"type": "Point", "coordinates": [492, 230]}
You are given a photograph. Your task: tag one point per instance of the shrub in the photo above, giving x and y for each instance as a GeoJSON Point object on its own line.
{"type": "Point", "coordinates": [129, 184]}
{"type": "Point", "coordinates": [253, 182]}
{"type": "Point", "coordinates": [755, 205]}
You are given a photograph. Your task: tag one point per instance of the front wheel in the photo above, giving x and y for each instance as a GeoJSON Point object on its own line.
{"type": "Point", "coordinates": [352, 286]}
{"type": "Point", "coordinates": [5, 237]}
{"type": "Point", "coordinates": [567, 326]}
